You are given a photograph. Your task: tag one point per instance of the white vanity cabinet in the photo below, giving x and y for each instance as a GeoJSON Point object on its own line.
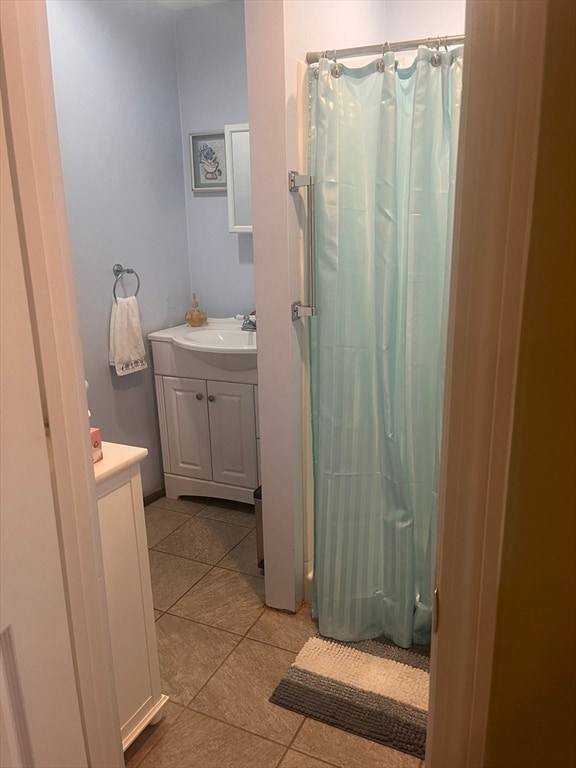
{"type": "Point", "coordinates": [207, 418]}
{"type": "Point", "coordinates": [210, 430]}
{"type": "Point", "coordinates": [128, 589]}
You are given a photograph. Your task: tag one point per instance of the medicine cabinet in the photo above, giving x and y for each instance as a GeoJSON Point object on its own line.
{"type": "Point", "coordinates": [237, 140]}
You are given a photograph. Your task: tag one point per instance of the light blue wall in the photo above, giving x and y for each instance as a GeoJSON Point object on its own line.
{"type": "Point", "coordinates": [115, 79]}
{"type": "Point", "coordinates": [213, 93]}
{"type": "Point", "coordinates": [132, 79]}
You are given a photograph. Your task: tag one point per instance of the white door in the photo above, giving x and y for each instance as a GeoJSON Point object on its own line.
{"type": "Point", "coordinates": [39, 709]}
{"type": "Point", "coordinates": [187, 427]}
{"type": "Point", "coordinates": [232, 433]}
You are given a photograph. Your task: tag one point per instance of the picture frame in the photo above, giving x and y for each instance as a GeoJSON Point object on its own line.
{"type": "Point", "coordinates": [208, 161]}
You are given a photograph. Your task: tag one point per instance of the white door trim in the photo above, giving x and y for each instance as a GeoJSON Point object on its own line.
{"type": "Point", "coordinates": [496, 172]}
{"type": "Point", "coordinates": [499, 132]}
{"type": "Point", "coordinates": [37, 176]}
{"type": "Point", "coordinates": [277, 236]}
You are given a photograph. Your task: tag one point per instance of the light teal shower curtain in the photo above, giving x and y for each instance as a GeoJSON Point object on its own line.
{"type": "Point", "coordinates": [383, 144]}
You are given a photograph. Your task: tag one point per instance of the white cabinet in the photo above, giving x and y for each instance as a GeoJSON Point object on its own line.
{"type": "Point", "coordinates": [210, 430]}
{"type": "Point", "coordinates": [187, 427]}
{"type": "Point", "coordinates": [128, 589]}
{"type": "Point", "coordinates": [207, 418]}
{"type": "Point", "coordinates": [232, 433]}
{"type": "Point", "coordinates": [237, 140]}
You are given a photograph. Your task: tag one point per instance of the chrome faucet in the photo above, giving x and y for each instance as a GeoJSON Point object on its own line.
{"type": "Point", "coordinates": [249, 323]}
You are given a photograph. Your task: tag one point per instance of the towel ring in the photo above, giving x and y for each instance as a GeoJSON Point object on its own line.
{"type": "Point", "coordinates": [119, 270]}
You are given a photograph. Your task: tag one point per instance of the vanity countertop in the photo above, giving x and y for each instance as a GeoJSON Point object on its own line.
{"type": "Point", "coordinates": [117, 457]}
{"type": "Point", "coordinates": [178, 331]}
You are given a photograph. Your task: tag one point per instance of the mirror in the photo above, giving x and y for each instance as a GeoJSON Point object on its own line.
{"type": "Point", "coordinates": [237, 139]}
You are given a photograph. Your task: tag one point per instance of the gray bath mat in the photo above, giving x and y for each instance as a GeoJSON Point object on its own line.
{"type": "Point", "coordinates": [372, 689]}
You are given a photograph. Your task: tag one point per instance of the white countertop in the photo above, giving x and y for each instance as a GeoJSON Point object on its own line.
{"type": "Point", "coordinates": [217, 323]}
{"type": "Point", "coordinates": [116, 458]}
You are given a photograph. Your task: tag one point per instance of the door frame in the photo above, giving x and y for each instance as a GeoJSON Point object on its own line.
{"type": "Point", "coordinates": [493, 213]}
{"type": "Point", "coordinates": [35, 165]}
{"type": "Point", "coordinates": [494, 198]}
{"type": "Point", "coordinates": [497, 164]}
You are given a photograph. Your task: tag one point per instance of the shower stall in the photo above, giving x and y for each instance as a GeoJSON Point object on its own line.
{"type": "Point", "coordinates": [381, 154]}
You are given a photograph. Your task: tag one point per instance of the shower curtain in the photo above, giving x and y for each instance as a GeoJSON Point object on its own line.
{"type": "Point", "coordinates": [382, 150]}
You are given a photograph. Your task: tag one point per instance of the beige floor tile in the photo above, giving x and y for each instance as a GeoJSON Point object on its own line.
{"type": "Point", "coordinates": [239, 514]}
{"type": "Point", "coordinates": [345, 750]}
{"type": "Point", "coordinates": [239, 691]}
{"type": "Point", "coordinates": [243, 557]}
{"type": "Point", "coordinates": [189, 654]}
{"type": "Point", "coordinates": [285, 630]}
{"type": "Point", "coordinates": [207, 541]}
{"type": "Point", "coordinates": [150, 736]}
{"type": "Point", "coordinates": [161, 522]}
{"type": "Point", "coordinates": [184, 505]}
{"type": "Point", "coordinates": [298, 760]}
{"type": "Point", "coordinates": [196, 741]}
{"type": "Point", "coordinates": [224, 599]}
{"type": "Point", "coordinates": [157, 614]}
{"type": "Point", "coordinates": [172, 576]}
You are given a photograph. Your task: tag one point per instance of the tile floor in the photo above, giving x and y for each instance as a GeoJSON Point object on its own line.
{"type": "Point", "coordinates": [222, 653]}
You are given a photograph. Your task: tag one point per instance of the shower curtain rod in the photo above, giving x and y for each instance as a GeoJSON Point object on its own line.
{"type": "Point", "coordinates": [313, 57]}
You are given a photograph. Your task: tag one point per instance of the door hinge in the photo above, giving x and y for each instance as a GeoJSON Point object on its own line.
{"type": "Point", "coordinates": [435, 607]}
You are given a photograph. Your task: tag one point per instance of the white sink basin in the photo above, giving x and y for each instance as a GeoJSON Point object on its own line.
{"type": "Point", "coordinates": [221, 344]}
{"type": "Point", "coordinates": [218, 340]}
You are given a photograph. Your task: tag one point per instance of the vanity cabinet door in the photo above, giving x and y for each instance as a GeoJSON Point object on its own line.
{"type": "Point", "coordinates": [188, 432]}
{"type": "Point", "coordinates": [233, 433]}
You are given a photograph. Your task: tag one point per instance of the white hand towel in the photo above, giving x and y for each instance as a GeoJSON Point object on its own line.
{"type": "Point", "coordinates": [127, 352]}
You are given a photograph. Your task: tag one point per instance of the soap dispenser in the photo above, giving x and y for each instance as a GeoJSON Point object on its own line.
{"type": "Point", "coordinates": [196, 317]}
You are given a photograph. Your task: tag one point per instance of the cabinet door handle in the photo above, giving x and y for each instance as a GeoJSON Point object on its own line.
{"type": "Point", "coordinates": [211, 398]}
{"type": "Point", "coordinates": [199, 396]}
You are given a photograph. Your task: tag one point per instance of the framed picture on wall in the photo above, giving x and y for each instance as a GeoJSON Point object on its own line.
{"type": "Point", "coordinates": [208, 161]}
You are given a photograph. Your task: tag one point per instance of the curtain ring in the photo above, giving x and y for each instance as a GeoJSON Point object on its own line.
{"type": "Point", "coordinates": [381, 64]}
{"type": "Point", "coordinates": [336, 69]}
{"type": "Point", "coordinates": [446, 44]}
{"type": "Point", "coordinates": [436, 59]}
